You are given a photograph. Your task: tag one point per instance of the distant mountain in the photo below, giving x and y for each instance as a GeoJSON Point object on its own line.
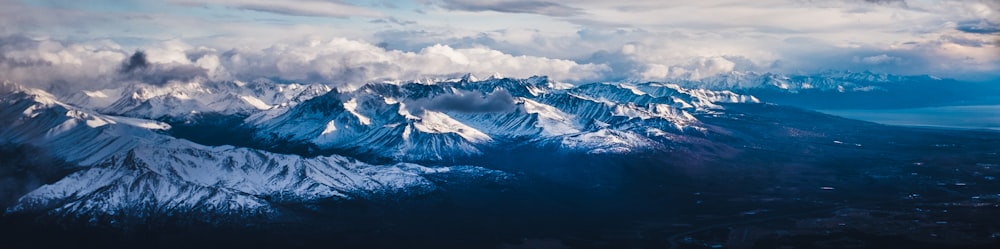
{"type": "Point", "coordinates": [841, 81]}
{"type": "Point", "coordinates": [183, 101]}
{"type": "Point", "coordinates": [404, 122]}
{"type": "Point", "coordinates": [851, 90]}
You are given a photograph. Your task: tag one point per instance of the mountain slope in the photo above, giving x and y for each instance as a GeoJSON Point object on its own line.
{"type": "Point", "coordinates": [128, 168]}
{"type": "Point", "coordinates": [419, 122]}
{"type": "Point", "coordinates": [182, 101]}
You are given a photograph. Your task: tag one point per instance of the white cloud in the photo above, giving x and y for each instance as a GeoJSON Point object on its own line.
{"type": "Point", "coordinates": [47, 62]}
{"type": "Point", "coordinates": [879, 59]}
{"type": "Point", "coordinates": [339, 62]}
{"type": "Point", "coordinates": [571, 40]}
{"type": "Point", "coordinates": [694, 70]}
{"type": "Point", "coordinates": [344, 61]}
{"type": "Point", "coordinates": [334, 9]}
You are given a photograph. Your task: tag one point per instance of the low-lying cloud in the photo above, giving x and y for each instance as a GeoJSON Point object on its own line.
{"type": "Point", "coordinates": [339, 62]}
{"type": "Point", "coordinates": [138, 68]}
{"type": "Point", "coordinates": [570, 41]}
{"type": "Point", "coordinates": [468, 102]}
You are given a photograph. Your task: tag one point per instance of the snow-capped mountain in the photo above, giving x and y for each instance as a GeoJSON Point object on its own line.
{"type": "Point", "coordinates": [182, 178]}
{"type": "Point", "coordinates": [850, 90]}
{"type": "Point", "coordinates": [128, 167]}
{"type": "Point", "coordinates": [407, 122]}
{"type": "Point", "coordinates": [312, 143]}
{"type": "Point", "coordinates": [131, 166]}
{"type": "Point", "coordinates": [841, 81]}
{"type": "Point", "coordinates": [183, 100]}
{"type": "Point", "coordinates": [77, 135]}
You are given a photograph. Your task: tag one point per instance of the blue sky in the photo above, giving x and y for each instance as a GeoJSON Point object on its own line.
{"type": "Point", "coordinates": [573, 41]}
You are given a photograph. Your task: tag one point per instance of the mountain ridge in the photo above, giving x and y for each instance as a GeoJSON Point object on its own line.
{"type": "Point", "coordinates": [134, 169]}
{"type": "Point", "coordinates": [315, 143]}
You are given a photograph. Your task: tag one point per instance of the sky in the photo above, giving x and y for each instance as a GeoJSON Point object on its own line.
{"type": "Point", "coordinates": [84, 44]}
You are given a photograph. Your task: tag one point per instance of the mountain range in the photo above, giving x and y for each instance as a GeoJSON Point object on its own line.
{"type": "Point", "coordinates": [233, 151]}
{"type": "Point", "coordinates": [851, 90]}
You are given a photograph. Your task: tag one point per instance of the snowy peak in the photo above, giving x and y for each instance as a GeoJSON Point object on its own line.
{"type": "Point", "coordinates": [365, 122]}
{"type": "Point", "coordinates": [128, 168]}
{"type": "Point", "coordinates": [451, 120]}
{"type": "Point", "coordinates": [78, 135]}
{"type": "Point", "coordinates": [176, 101]}
{"type": "Point", "coordinates": [608, 141]}
{"type": "Point", "coordinates": [438, 121]}
{"type": "Point", "coordinates": [826, 81]}
{"type": "Point", "coordinates": [180, 178]}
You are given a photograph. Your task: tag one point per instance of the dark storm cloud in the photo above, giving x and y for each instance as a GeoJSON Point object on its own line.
{"type": "Point", "coordinates": [470, 102]}
{"type": "Point", "coordinates": [979, 27]}
{"type": "Point", "coordinates": [524, 6]}
{"type": "Point", "coordinates": [135, 62]}
{"type": "Point", "coordinates": [137, 67]}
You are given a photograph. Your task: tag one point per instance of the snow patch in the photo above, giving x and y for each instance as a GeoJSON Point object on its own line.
{"type": "Point", "coordinates": [330, 127]}
{"type": "Point", "coordinates": [606, 141]}
{"type": "Point", "coordinates": [255, 102]}
{"type": "Point", "coordinates": [552, 121]}
{"type": "Point", "coordinates": [352, 106]}
{"type": "Point", "coordinates": [437, 122]}
{"type": "Point", "coordinates": [95, 94]}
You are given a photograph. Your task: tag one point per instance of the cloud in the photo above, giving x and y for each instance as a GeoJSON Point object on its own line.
{"type": "Point", "coordinates": [517, 6]}
{"type": "Point", "coordinates": [346, 62]}
{"type": "Point", "coordinates": [138, 68]}
{"type": "Point", "coordinates": [135, 62]}
{"type": "Point", "coordinates": [46, 63]}
{"type": "Point", "coordinates": [335, 9]}
{"type": "Point", "coordinates": [572, 41]}
{"type": "Point", "coordinates": [982, 26]}
{"type": "Point", "coordinates": [878, 59]}
{"type": "Point", "coordinates": [339, 62]}
{"type": "Point", "coordinates": [886, 1]}
{"type": "Point", "coordinates": [693, 70]}
{"type": "Point", "coordinates": [393, 20]}
{"type": "Point", "coordinates": [469, 102]}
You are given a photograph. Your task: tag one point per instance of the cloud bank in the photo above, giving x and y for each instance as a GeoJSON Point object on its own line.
{"type": "Point", "coordinates": [338, 62]}
{"type": "Point", "coordinates": [71, 44]}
